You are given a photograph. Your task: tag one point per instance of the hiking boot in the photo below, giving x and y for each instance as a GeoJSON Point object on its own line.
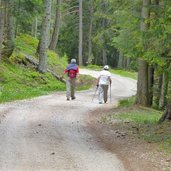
{"type": "Point", "coordinates": [68, 99]}
{"type": "Point", "coordinates": [100, 102]}
{"type": "Point", "coordinates": [73, 98]}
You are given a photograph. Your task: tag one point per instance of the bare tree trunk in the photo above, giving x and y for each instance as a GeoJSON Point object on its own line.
{"type": "Point", "coordinates": [34, 27]}
{"type": "Point", "coordinates": [150, 84]}
{"type": "Point", "coordinates": [80, 32]}
{"type": "Point", "coordinates": [42, 46]}
{"type": "Point", "coordinates": [157, 90]}
{"type": "Point", "coordinates": [142, 84]}
{"type": "Point", "coordinates": [125, 62]}
{"type": "Point", "coordinates": [90, 55]}
{"type": "Point", "coordinates": [128, 63]}
{"type": "Point", "coordinates": [104, 57]}
{"type": "Point", "coordinates": [120, 61]}
{"type": "Point", "coordinates": [2, 18]}
{"type": "Point", "coordinates": [167, 113]}
{"type": "Point", "coordinates": [10, 29]}
{"type": "Point", "coordinates": [55, 34]}
{"type": "Point", "coordinates": [164, 89]}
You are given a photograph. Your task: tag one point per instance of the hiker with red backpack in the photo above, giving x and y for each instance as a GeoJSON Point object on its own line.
{"type": "Point", "coordinates": [72, 71]}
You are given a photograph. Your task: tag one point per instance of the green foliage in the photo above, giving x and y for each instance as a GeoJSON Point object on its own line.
{"type": "Point", "coordinates": [151, 45]}
{"type": "Point", "coordinates": [69, 36]}
{"type": "Point", "coordinates": [25, 12]}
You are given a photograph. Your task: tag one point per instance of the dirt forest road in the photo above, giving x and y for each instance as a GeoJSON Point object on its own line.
{"type": "Point", "coordinates": [49, 133]}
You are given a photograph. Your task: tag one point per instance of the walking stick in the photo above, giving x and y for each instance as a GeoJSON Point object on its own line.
{"type": "Point", "coordinates": [110, 94]}
{"type": "Point", "coordinates": [94, 93]}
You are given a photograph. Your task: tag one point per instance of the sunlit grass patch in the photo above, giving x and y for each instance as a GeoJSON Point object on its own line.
{"type": "Point", "coordinates": [124, 73]}
{"type": "Point", "coordinates": [26, 44]}
{"type": "Point", "coordinates": [17, 82]}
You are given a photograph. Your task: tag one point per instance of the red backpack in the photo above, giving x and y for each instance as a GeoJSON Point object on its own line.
{"type": "Point", "coordinates": [72, 73]}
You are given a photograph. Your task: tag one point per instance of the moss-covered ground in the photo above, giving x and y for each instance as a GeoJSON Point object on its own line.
{"type": "Point", "coordinates": [20, 80]}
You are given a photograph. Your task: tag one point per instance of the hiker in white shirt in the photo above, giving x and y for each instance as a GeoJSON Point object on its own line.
{"type": "Point", "coordinates": [103, 83]}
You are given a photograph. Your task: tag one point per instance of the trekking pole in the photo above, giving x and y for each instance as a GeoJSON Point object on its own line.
{"type": "Point", "coordinates": [110, 94]}
{"type": "Point", "coordinates": [94, 93]}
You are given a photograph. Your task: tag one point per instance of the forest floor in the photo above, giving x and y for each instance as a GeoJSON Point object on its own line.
{"type": "Point", "coordinates": [136, 154]}
{"type": "Point", "coordinates": [49, 133]}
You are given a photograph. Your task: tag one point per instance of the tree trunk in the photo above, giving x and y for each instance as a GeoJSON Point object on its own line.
{"type": "Point", "coordinates": [151, 83]}
{"type": "Point", "coordinates": [10, 30]}
{"type": "Point", "coordinates": [125, 63]}
{"type": "Point", "coordinates": [90, 55]}
{"type": "Point", "coordinates": [2, 18]}
{"type": "Point", "coordinates": [120, 61]}
{"type": "Point", "coordinates": [55, 34]}
{"type": "Point", "coordinates": [128, 62]}
{"type": "Point", "coordinates": [142, 84]}
{"type": "Point", "coordinates": [80, 32]}
{"type": "Point", "coordinates": [167, 113]}
{"type": "Point", "coordinates": [157, 90]}
{"type": "Point", "coordinates": [104, 57]}
{"type": "Point", "coordinates": [34, 27]}
{"type": "Point", "coordinates": [42, 46]}
{"type": "Point", "coordinates": [164, 89]}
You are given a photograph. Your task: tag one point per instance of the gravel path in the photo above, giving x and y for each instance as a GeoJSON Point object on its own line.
{"type": "Point", "coordinates": [49, 133]}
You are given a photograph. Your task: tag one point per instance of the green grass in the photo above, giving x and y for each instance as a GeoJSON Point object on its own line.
{"type": "Point", "coordinates": [26, 44]}
{"type": "Point", "coordinates": [19, 83]}
{"type": "Point", "coordinates": [124, 73]}
{"type": "Point", "coordinates": [127, 102]}
{"type": "Point", "coordinates": [94, 67]}
{"type": "Point", "coordinates": [140, 116]}
{"type": "Point", "coordinates": [20, 80]}
{"type": "Point", "coordinates": [57, 63]}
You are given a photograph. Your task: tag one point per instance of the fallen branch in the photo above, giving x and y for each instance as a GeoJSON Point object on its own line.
{"type": "Point", "coordinates": [35, 63]}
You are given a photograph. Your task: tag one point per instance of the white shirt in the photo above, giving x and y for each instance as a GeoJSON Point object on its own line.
{"type": "Point", "coordinates": [104, 77]}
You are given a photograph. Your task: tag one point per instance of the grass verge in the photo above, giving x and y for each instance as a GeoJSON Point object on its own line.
{"type": "Point", "coordinates": [124, 73]}
{"type": "Point", "coordinates": [141, 123]}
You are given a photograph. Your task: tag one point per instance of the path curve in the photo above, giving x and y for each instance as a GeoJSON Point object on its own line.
{"type": "Point", "coordinates": [49, 133]}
